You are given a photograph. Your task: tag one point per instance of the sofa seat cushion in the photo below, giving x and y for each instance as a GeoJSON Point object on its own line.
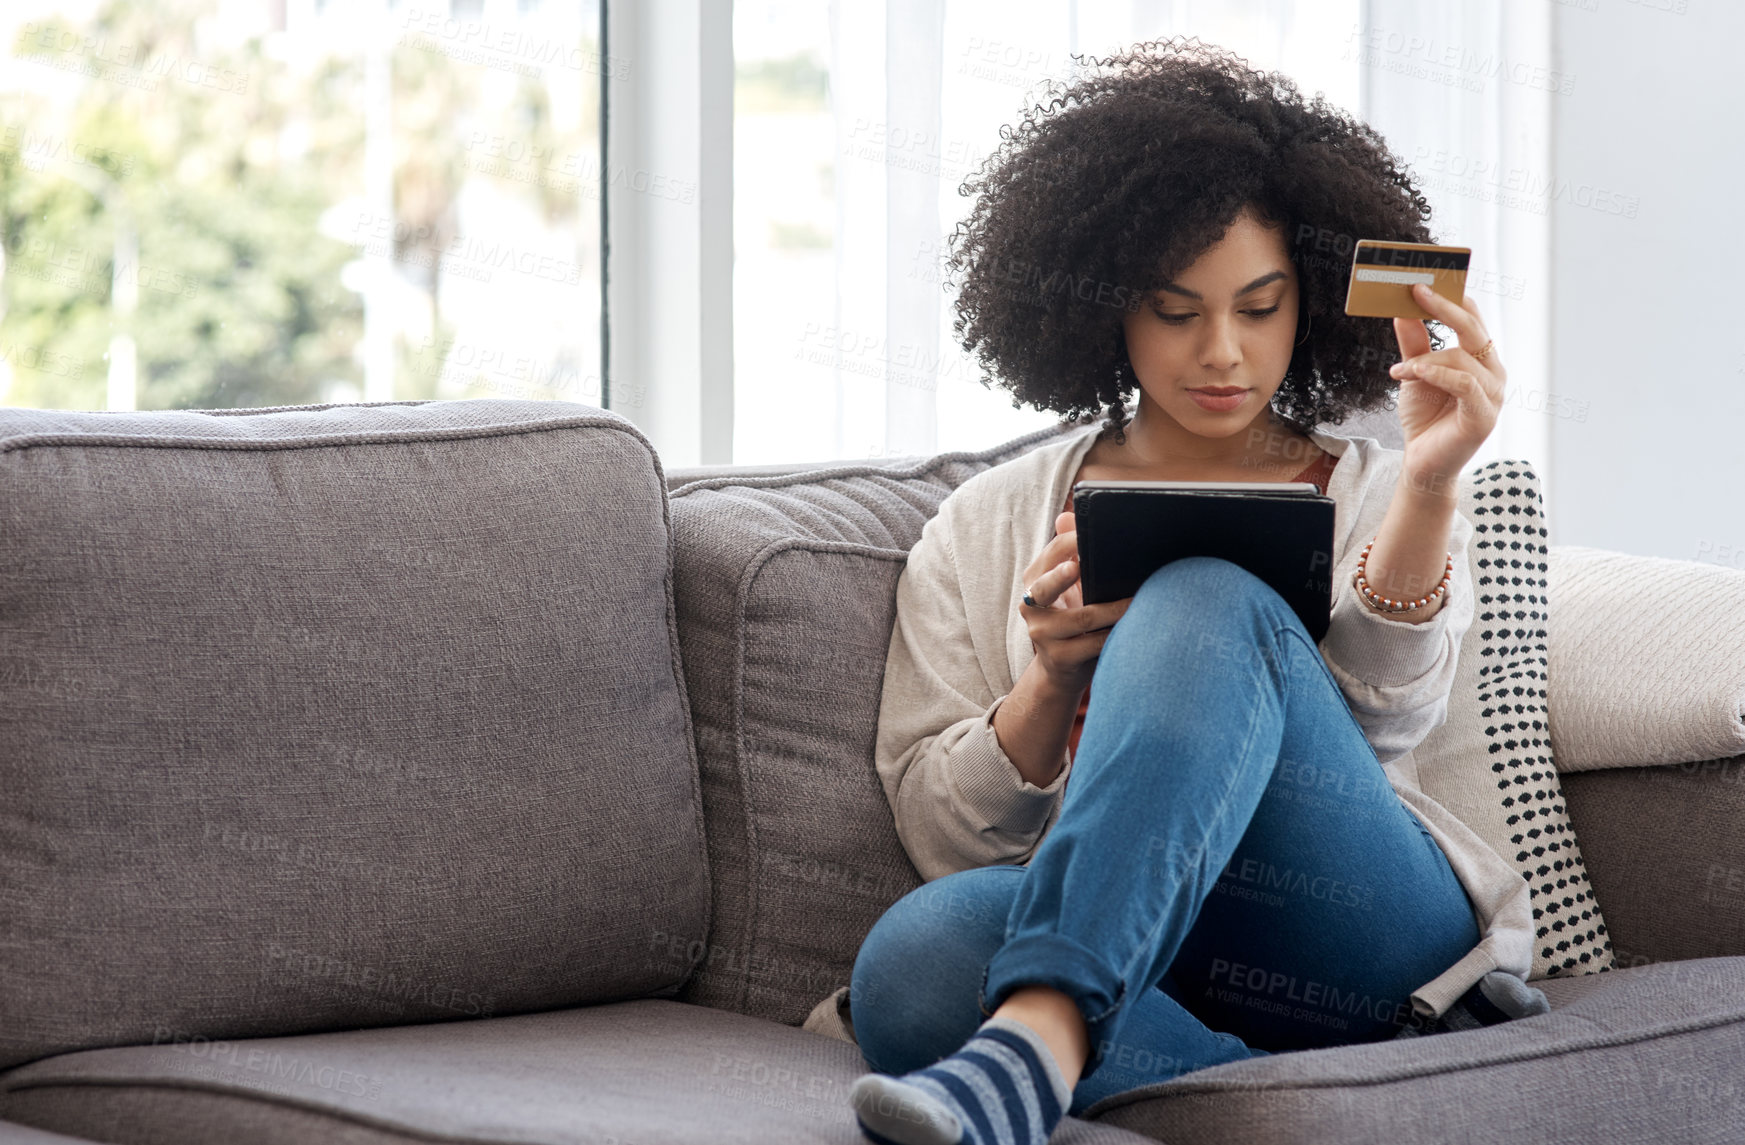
{"type": "Point", "coordinates": [1645, 1054]}
{"type": "Point", "coordinates": [646, 1072]}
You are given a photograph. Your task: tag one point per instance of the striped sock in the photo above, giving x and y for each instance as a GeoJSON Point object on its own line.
{"type": "Point", "coordinates": [1002, 1088]}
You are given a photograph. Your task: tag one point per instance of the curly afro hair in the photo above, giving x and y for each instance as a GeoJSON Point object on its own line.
{"type": "Point", "coordinates": [1116, 184]}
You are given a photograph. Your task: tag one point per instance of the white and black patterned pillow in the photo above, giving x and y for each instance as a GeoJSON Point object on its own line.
{"type": "Point", "coordinates": [1490, 763]}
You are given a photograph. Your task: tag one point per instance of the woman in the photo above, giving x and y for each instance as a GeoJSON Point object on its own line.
{"type": "Point", "coordinates": [1242, 863]}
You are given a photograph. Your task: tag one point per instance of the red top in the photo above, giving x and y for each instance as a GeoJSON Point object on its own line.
{"type": "Point", "coordinates": [1319, 473]}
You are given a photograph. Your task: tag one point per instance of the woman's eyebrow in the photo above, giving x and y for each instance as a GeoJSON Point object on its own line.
{"type": "Point", "coordinates": [1255, 285]}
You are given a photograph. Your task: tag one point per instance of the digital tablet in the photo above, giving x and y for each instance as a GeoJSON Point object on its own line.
{"type": "Point", "coordinates": [1280, 531]}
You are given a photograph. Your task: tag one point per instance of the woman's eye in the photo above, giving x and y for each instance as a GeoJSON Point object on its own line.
{"type": "Point", "coordinates": [1178, 319]}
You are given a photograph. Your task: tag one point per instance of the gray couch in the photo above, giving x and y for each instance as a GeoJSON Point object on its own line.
{"type": "Point", "coordinates": [449, 772]}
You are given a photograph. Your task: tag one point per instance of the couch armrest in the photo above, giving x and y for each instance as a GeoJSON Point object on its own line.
{"type": "Point", "coordinates": [1646, 660]}
{"type": "Point", "coordinates": [1665, 852]}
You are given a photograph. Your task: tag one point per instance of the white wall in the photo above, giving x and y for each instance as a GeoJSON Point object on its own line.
{"type": "Point", "coordinates": [1647, 455]}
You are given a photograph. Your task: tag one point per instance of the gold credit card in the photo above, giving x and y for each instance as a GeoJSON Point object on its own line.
{"type": "Point", "coordinates": [1382, 274]}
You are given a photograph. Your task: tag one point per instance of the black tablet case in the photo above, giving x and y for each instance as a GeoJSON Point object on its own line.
{"type": "Point", "coordinates": [1285, 539]}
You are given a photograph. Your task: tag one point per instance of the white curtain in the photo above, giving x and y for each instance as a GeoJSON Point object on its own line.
{"type": "Point", "coordinates": [1464, 94]}
{"type": "Point", "coordinates": [858, 66]}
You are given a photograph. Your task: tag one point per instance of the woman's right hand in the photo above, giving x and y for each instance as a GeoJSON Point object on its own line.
{"type": "Point", "coordinates": [1066, 633]}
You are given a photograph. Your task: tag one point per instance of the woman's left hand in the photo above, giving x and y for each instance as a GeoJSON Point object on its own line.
{"type": "Point", "coordinates": [1449, 400]}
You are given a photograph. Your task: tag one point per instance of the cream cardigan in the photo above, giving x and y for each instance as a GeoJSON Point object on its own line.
{"type": "Point", "coordinates": [959, 644]}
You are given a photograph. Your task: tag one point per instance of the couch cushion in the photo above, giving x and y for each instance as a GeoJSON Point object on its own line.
{"type": "Point", "coordinates": [334, 716]}
{"type": "Point", "coordinates": [1490, 761]}
{"type": "Point", "coordinates": [648, 1072]}
{"type": "Point", "coordinates": [1649, 1054]}
{"type": "Point", "coordinates": [1682, 698]}
{"type": "Point", "coordinates": [1665, 847]}
{"type": "Point", "coordinates": [786, 597]}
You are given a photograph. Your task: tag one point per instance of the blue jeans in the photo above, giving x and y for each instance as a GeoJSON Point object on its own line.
{"type": "Point", "coordinates": [1230, 875]}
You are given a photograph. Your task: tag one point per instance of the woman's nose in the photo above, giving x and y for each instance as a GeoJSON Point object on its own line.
{"type": "Point", "coordinates": [1221, 349]}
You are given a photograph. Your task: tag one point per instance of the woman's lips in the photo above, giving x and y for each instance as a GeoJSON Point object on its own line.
{"type": "Point", "coordinates": [1212, 400]}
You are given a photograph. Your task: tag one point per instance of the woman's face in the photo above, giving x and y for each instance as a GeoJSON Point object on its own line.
{"type": "Point", "coordinates": [1228, 321]}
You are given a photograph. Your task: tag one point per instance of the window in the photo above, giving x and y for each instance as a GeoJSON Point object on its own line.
{"type": "Point", "coordinates": [226, 203]}
{"type": "Point", "coordinates": [234, 203]}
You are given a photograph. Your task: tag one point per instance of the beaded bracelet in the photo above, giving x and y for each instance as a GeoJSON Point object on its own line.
{"type": "Point", "coordinates": [1382, 603]}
